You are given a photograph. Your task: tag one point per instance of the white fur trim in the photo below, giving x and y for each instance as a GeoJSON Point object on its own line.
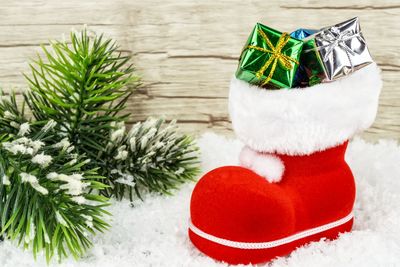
{"type": "Point", "coordinates": [303, 121]}
{"type": "Point", "coordinates": [266, 165]}
{"type": "Point", "coordinates": [270, 244]}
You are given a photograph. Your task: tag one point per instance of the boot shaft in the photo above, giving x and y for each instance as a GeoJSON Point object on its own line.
{"type": "Point", "coordinates": [318, 163]}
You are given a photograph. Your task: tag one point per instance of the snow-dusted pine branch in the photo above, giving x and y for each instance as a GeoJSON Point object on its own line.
{"type": "Point", "coordinates": [47, 195]}
{"type": "Point", "coordinates": [152, 156]}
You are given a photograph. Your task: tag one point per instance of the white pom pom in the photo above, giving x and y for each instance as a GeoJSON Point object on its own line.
{"type": "Point", "coordinates": [266, 165]}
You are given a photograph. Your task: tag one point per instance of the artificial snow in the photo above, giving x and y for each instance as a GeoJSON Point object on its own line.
{"type": "Point", "coordinates": [154, 232]}
{"type": "Point", "coordinates": [73, 183]}
{"type": "Point", "coordinates": [42, 159]}
{"type": "Point", "coordinates": [24, 129]}
{"type": "Point", "coordinates": [33, 181]}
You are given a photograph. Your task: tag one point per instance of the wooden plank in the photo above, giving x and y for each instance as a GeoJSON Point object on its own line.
{"type": "Point", "coordinates": [187, 51]}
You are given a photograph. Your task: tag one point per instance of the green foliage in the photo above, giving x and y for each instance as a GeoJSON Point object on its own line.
{"type": "Point", "coordinates": [45, 199]}
{"type": "Point", "coordinates": [84, 87]}
{"type": "Point", "coordinates": [150, 156]}
{"type": "Point", "coordinates": [10, 116]}
{"type": "Point", "coordinates": [58, 168]}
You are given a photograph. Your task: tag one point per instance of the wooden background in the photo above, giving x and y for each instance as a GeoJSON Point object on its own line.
{"type": "Point", "coordinates": [187, 50]}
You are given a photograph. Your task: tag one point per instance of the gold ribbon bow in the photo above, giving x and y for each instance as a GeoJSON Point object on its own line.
{"type": "Point", "coordinates": [276, 55]}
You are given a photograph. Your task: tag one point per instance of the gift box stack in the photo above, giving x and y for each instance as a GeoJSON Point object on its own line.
{"type": "Point", "coordinates": [305, 57]}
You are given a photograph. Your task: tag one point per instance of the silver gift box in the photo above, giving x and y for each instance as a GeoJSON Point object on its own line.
{"type": "Point", "coordinates": [335, 51]}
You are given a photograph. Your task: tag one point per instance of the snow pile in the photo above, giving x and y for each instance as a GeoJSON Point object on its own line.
{"type": "Point", "coordinates": [154, 233]}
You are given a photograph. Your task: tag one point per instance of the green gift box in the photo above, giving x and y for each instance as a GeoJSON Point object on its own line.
{"type": "Point", "coordinates": [269, 58]}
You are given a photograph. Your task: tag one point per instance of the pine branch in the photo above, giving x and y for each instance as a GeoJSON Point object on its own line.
{"type": "Point", "coordinates": [45, 199]}
{"type": "Point", "coordinates": [84, 87]}
{"type": "Point", "coordinates": [11, 117]}
{"type": "Point", "coordinates": [151, 156]}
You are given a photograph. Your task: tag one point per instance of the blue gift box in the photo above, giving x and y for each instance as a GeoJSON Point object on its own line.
{"type": "Point", "coordinates": [301, 78]}
{"type": "Point", "coordinates": [302, 33]}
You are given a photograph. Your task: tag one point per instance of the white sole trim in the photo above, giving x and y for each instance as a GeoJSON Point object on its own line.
{"type": "Point", "coordinates": [270, 244]}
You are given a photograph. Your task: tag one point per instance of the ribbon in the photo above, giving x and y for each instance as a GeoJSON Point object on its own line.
{"type": "Point", "coordinates": [276, 55]}
{"type": "Point", "coordinates": [336, 38]}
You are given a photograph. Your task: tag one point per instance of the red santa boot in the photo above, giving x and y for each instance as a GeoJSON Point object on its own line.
{"type": "Point", "coordinates": [295, 186]}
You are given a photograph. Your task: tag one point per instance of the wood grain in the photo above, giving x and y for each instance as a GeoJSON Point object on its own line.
{"type": "Point", "coordinates": [187, 51]}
